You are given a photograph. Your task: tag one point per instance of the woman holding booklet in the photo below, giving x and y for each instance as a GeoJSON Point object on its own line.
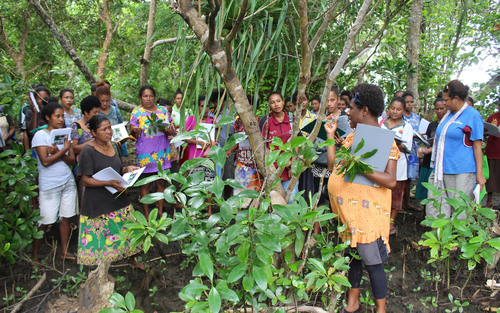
{"type": "Point", "coordinates": [57, 196]}
{"type": "Point", "coordinates": [364, 208]}
{"type": "Point", "coordinates": [152, 145]}
{"type": "Point", "coordinates": [102, 215]}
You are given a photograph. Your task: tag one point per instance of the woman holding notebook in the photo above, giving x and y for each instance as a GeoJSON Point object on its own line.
{"type": "Point", "coordinates": [365, 209]}
{"type": "Point", "coordinates": [103, 214]}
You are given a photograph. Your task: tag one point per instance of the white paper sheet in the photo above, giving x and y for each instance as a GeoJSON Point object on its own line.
{"type": "Point", "coordinates": [32, 97]}
{"type": "Point", "coordinates": [422, 127]}
{"type": "Point", "coordinates": [126, 181]}
{"type": "Point", "coordinates": [58, 136]}
{"type": "Point", "coordinates": [343, 123]}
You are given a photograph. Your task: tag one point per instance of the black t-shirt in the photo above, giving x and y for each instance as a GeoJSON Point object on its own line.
{"type": "Point", "coordinates": [98, 201]}
{"type": "Point", "coordinates": [431, 132]}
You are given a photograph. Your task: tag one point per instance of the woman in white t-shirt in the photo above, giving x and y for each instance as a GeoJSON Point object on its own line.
{"type": "Point", "coordinates": [58, 195]}
{"type": "Point", "coordinates": [404, 135]}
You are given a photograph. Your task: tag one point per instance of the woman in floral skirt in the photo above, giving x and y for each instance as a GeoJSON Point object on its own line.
{"type": "Point", "coordinates": [102, 216]}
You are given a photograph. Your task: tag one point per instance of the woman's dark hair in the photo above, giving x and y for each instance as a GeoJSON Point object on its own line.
{"type": "Point", "coordinates": [371, 96]}
{"type": "Point", "coordinates": [42, 88]}
{"type": "Point", "coordinates": [178, 92]}
{"type": "Point", "coordinates": [471, 100]}
{"type": "Point", "coordinates": [163, 102]}
{"type": "Point", "coordinates": [335, 89]}
{"type": "Point", "coordinates": [400, 99]}
{"type": "Point", "coordinates": [50, 100]}
{"type": "Point", "coordinates": [95, 121]}
{"type": "Point", "coordinates": [455, 88]}
{"type": "Point", "coordinates": [408, 93]}
{"type": "Point", "coordinates": [200, 98]}
{"type": "Point", "coordinates": [295, 94]}
{"type": "Point", "coordinates": [102, 91]}
{"type": "Point", "coordinates": [439, 98]}
{"type": "Point", "coordinates": [49, 109]}
{"type": "Point", "coordinates": [274, 93]}
{"type": "Point", "coordinates": [146, 87]}
{"type": "Point", "coordinates": [347, 93]}
{"type": "Point", "coordinates": [316, 98]}
{"type": "Point", "coordinates": [89, 103]}
{"type": "Point", "coordinates": [62, 92]}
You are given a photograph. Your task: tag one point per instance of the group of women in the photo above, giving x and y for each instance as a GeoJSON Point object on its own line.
{"type": "Point", "coordinates": [454, 162]}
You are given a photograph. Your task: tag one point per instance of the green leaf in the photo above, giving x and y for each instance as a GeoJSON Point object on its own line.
{"type": "Point", "coordinates": [112, 310]}
{"type": "Point", "coordinates": [243, 251]}
{"type": "Point", "coordinates": [284, 158]}
{"type": "Point", "coordinates": [248, 282]}
{"type": "Point", "coordinates": [153, 197]}
{"type": "Point", "coordinates": [206, 265]}
{"type": "Point", "coordinates": [147, 244]}
{"type": "Point", "coordinates": [273, 155]}
{"type": "Point", "coordinates": [495, 243]}
{"type": "Point", "coordinates": [487, 212]}
{"type": "Point", "coordinates": [318, 265]}
{"type": "Point", "coordinates": [218, 155]}
{"type": "Point", "coordinates": [360, 146]}
{"type": "Point", "coordinates": [218, 186]}
{"type": "Point", "coordinates": [224, 121]}
{"type": "Point", "coordinates": [168, 194]}
{"type": "Point", "coordinates": [342, 280]}
{"type": "Point", "coordinates": [298, 141]}
{"type": "Point", "coordinates": [130, 301]}
{"type": "Point", "coordinates": [439, 223]}
{"type": "Point", "coordinates": [118, 300]}
{"type": "Point", "coordinates": [234, 140]}
{"type": "Point", "coordinates": [214, 301]}
{"type": "Point", "coordinates": [226, 212]}
{"type": "Point", "coordinates": [299, 242]}
{"type": "Point", "coordinates": [260, 277]}
{"type": "Point", "coordinates": [264, 254]}
{"type": "Point", "coordinates": [162, 238]}
{"type": "Point", "coordinates": [369, 154]}
{"type": "Point", "coordinates": [237, 272]}
{"type": "Point", "coordinates": [227, 293]}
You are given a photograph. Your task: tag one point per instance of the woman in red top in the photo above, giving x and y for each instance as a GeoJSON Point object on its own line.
{"type": "Point", "coordinates": [492, 152]}
{"type": "Point", "coordinates": [278, 124]}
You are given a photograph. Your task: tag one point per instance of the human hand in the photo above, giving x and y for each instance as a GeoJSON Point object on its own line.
{"type": "Point", "coordinates": [52, 149]}
{"type": "Point", "coordinates": [228, 153]}
{"type": "Point", "coordinates": [67, 143]}
{"type": "Point", "coordinates": [338, 140]}
{"type": "Point", "coordinates": [330, 127]}
{"type": "Point", "coordinates": [116, 184]}
{"type": "Point", "coordinates": [33, 107]}
{"type": "Point", "coordinates": [480, 180]}
{"type": "Point", "coordinates": [131, 168]}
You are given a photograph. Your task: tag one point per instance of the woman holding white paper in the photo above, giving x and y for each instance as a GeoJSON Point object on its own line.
{"type": "Point", "coordinates": [365, 209]}
{"type": "Point", "coordinates": [152, 145]}
{"type": "Point", "coordinates": [57, 196]}
{"type": "Point", "coordinates": [102, 215]}
{"type": "Point", "coordinates": [404, 138]}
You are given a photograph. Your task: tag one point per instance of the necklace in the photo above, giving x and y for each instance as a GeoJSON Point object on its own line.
{"type": "Point", "coordinates": [107, 147]}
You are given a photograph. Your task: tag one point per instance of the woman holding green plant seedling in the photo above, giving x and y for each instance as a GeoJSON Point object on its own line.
{"type": "Point", "coordinates": [365, 209]}
{"type": "Point", "coordinates": [103, 214]}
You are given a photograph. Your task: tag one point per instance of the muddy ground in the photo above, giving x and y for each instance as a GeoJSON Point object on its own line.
{"type": "Point", "coordinates": [407, 288]}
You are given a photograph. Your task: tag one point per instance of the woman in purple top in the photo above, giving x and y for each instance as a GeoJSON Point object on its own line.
{"type": "Point", "coordinates": [152, 145]}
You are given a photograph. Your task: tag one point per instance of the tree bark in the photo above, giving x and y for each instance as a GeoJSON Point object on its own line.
{"type": "Point", "coordinates": [17, 56]}
{"type": "Point", "coordinates": [149, 44]}
{"type": "Point", "coordinates": [413, 49]}
{"type": "Point", "coordinates": [103, 56]}
{"type": "Point", "coordinates": [490, 86]}
{"type": "Point", "coordinates": [63, 41]}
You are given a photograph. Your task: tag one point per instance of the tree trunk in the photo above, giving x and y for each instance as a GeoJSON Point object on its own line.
{"type": "Point", "coordinates": [149, 44]}
{"type": "Point", "coordinates": [103, 57]}
{"type": "Point", "coordinates": [63, 41]}
{"type": "Point", "coordinates": [17, 56]}
{"type": "Point", "coordinates": [413, 49]}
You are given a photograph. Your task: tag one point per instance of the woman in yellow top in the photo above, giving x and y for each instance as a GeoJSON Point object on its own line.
{"type": "Point", "coordinates": [365, 209]}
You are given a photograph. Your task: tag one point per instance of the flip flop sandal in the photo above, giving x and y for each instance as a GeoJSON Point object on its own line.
{"type": "Point", "coordinates": [393, 231]}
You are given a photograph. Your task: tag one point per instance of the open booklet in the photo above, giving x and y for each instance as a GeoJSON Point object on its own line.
{"type": "Point", "coordinates": [127, 180]}
{"type": "Point", "coordinates": [120, 133]}
{"type": "Point", "coordinates": [57, 137]}
{"type": "Point", "coordinates": [375, 138]}
{"type": "Point", "coordinates": [490, 129]}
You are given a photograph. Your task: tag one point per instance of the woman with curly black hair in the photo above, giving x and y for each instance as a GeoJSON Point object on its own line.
{"type": "Point", "coordinates": [365, 209]}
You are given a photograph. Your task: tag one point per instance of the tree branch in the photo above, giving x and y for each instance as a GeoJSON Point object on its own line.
{"type": "Point", "coordinates": [324, 25]}
{"type": "Point", "coordinates": [233, 32]}
{"type": "Point", "coordinates": [62, 40]}
{"type": "Point", "coordinates": [170, 40]}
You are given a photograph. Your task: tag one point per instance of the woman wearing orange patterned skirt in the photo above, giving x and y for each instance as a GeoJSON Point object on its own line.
{"type": "Point", "coordinates": [365, 209]}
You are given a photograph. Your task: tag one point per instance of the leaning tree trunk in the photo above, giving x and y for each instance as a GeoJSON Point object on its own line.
{"type": "Point", "coordinates": [17, 56]}
{"type": "Point", "coordinates": [63, 41]}
{"type": "Point", "coordinates": [413, 49]}
{"type": "Point", "coordinates": [149, 44]}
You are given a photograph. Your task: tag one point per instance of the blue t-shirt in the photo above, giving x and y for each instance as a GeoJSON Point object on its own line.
{"type": "Point", "coordinates": [458, 153]}
{"type": "Point", "coordinates": [414, 121]}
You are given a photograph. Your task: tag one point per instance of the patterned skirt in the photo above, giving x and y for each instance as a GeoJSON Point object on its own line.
{"type": "Point", "coordinates": [248, 177]}
{"type": "Point", "coordinates": [98, 240]}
